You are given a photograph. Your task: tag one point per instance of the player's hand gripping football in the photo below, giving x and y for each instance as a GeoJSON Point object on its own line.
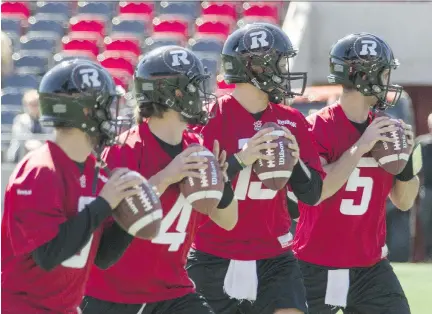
{"type": "Point", "coordinates": [184, 165]}
{"type": "Point", "coordinates": [409, 134]}
{"type": "Point", "coordinates": [293, 145]}
{"type": "Point", "coordinates": [251, 151]}
{"type": "Point", "coordinates": [221, 157]}
{"type": "Point", "coordinates": [119, 187]}
{"type": "Point", "coordinates": [376, 132]}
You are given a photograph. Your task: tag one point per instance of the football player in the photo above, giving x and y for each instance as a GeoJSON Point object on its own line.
{"type": "Point", "coordinates": [52, 220]}
{"type": "Point", "coordinates": [151, 277]}
{"type": "Point", "coordinates": [341, 242]}
{"type": "Point", "coordinates": [254, 262]}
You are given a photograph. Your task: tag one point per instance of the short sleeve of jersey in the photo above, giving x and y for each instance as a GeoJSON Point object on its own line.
{"type": "Point", "coordinates": [33, 209]}
{"type": "Point", "coordinates": [320, 134]}
{"type": "Point", "coordinates": [308, 146]}
{"type": "Point", "coordinates": [120, 156]}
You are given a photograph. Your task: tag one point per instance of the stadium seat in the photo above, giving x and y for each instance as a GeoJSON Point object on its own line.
{"type": "Point", "coordinates": [15, 9]}
{"type": "Point", "coordinates": [159, 40]}
{"type": "Point", "coordinates": [11, 26]}
{"type": "Point", "coordinates": [70, 55]}
{"type": "Point", "coordinates": [253, 19]}
{"type": "Point", "coordinates": [25, 64]}
{"type": "Point", "coordinates": [80, 45]}
{"type": "Point", "coordinates": [46, 27]}
{"type": "Point", "coordinates": [122, 45]}
{"type": "Point", "coordinates": [11, 98]}
{"type": "Point", "coordinates": [7, 118]}
{"type": "Point", "coordinates": [47, 45]}
{"type": "Point", "coordinates": [121, 24]}
{"type": "Point", "coordinates": [119, 63]}
{"type": "Point", "coordinates": [177, 26]}
{"type": "Point", "coordinates": [212, 27]}
{"type": "Point", "coordinates": [87, 24]}
{"type": "Point", "coordinates": [204, 45]}
{"type": "Point", "coordinates": [137, 10]}
{"type": "Point", "coordinates": [61, 9]}
{"type": "Point", "coordinates": [211, 65]}
{"type": "Point", "coordinates": [20, 82]}
{"type": "Point", "coordinates": [101, 9]}
{"type": "Point", "coordinates": [261, 10]}
{"type": "Point", "coordinates": [189, 9]}
{"type": "Point", "coordinates": [220, 9]}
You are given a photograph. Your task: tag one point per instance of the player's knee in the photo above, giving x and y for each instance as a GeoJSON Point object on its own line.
{"type": "Point", "coordinates": [288, 311]}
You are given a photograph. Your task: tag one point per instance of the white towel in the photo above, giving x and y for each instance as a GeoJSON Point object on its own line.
{"type": "Point", "coordinates": [337, 287]}
{"type": "Point", "coordinates": [241, 280]}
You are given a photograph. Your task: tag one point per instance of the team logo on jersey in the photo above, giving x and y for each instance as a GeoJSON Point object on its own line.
{"type": "Point", "coordinates": [368, 48]}
{"type": "Point", "coordinates": [257, 125]}
{"type": "Point", "coordinates": [88, 78]}
{"type": "Point", "coordinates": [258, 39]}
{"type": "Point", "coordinates": [178, 59]}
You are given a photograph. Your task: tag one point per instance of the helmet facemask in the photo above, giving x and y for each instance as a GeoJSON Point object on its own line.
{"type": "Point", "coordinates": [270, 73]}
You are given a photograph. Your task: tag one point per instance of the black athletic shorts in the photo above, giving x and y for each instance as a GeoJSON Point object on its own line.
{"type": "Point", "coordinates": [189, 304]}
{"type": "Point", "coordinates": [372, 290]}
{"type": "Point", "coordinates": [280, 284]}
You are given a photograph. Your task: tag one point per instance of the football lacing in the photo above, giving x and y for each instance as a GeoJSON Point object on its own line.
{"type": "Point", "coordinates": [204, 179]}
{"type": "Point", "coordinates": [143, 197]}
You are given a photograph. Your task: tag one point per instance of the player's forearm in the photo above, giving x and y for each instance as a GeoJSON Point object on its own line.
{"type": "Point", "coordinates": [113, 244]}
{"type": "Point", "coordinates": [338, 172]}
{"type": "Point", "coordinates": [404, 193]}
{"type": "Point", "coordinates": [159, 182]}
{"type": "Point", "coordinates": [306, 184]}
{"type": "Point", "coordinates": [73, 235]}
{"type": "Point", "coordinates": [226, 213]}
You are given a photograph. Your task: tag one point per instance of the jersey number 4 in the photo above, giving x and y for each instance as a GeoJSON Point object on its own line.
{"type": "Point", "coordinates": [182, 211]}
{"type": "Point", "coordinates": [354, 183]}
{"type": "Point", "coordinates": [79, 260]}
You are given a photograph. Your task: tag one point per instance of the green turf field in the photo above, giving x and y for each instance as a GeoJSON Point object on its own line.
{"type": "Point", "coordinates": [416, 279]}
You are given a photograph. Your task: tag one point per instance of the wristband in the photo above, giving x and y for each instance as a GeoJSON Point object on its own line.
{"type": "Point", "coordinates": [227, 196]}
{"type": "Point", "coordinates": [240, 161]}
{"type": "Point", "coordinates": [413, 166]}
{"type": "Point", "coordinates": [234, 166]}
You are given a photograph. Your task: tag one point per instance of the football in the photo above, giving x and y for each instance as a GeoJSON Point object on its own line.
{"type": "Point", "coordinates": [205, 193]}
{"type": "Point", "coordinates": [140, 215]}
{"type": "Point", "coordinates": [392, 157]}
{"type": "Point", "coordinates": [274, 174]}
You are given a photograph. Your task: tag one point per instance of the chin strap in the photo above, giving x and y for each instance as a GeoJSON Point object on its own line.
{"type": "Point", "coordinates": [97, 152]}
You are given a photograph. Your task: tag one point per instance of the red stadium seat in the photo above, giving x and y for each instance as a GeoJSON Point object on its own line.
{"type": "Point", "coordinates": [139, 10]}
{"type": "Point", "coordinates": [213, 27]}
{"type": "Point", "coordinates": [122, 46]}
{"type": "Point", "coordinates": [15, 9]}
{"type": "Point", "coordinates": [82, 24]}
{"type": "Point", "coordinates": [261, 10]}
{"type": "Point", "coordinates": [119, 63]}
{"type": "Point", "coordinates": [220, 9]}
{"type": "Point", "coordinates": [123, 81]}
{"type": "Point", "coordinates": [80, 45]}
{"type": "Point", "coordinates": [174, 25]}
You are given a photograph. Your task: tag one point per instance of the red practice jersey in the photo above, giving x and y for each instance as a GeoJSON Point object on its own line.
{"type": "Point", "coordinates": [150, 271]}
{"type": "Point", "coordinates": [348, 229]}
{"type": "Point", "coordinates": [263, 226]}
{"type": "Point", "coordinates": [45, 190]}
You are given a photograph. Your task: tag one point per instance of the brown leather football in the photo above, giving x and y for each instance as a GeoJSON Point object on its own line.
{"type": "Point", "coordinates": [274, 174]}
{"type": "Point", "coordinates": [392, 157]}
{"type": "Point", "coordinates": [204, 194]}
{"type": "Point", "coordinates": [140, 215]}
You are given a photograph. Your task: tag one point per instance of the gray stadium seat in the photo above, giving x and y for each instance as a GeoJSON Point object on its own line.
{"type": "Point", "coordinates": [103, 9]}
{"type": "Point", "coordinates": [47, 44]}
{"type": "Point", "coordinates": [60, 57]}
{"type": "Point", "coordinates": [58, 8]}
{"type": "Point", "coordinates": [25, 64]}
{"type": "Point", "coordinates": [45, 26]}
{"type": "Point", "coordinates": [188, 9]}
{"type": "Point", "coordinates": [120, 25]}
{"type": "Point", "coordinates": [12, 98]}
{"type": "Point", "coordinates": [159, 41]}
{"type": "Point", "coordinates": [20, 81]}
{"type": "Point", "coordinates": [212, 65]}
{"type": "Point", "coordinates": [11, 26]}
{"type": "Point", "coordinates": [207, 45]}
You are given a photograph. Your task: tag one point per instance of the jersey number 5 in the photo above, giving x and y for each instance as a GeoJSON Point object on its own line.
{"type": "Point", "coordinates": [355, 182]}
{"type": "Point", "coordinates": [79, 260]}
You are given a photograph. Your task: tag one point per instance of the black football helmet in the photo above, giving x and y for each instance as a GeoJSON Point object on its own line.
{"type": "Point", "coordinates": [360, 61]}
{"type": "Point", "coordinates": [259, 54]}
{"type": "Point", "coordinates": [174, 77]}
{"type": "Point", "coordinates": [81, 94]}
